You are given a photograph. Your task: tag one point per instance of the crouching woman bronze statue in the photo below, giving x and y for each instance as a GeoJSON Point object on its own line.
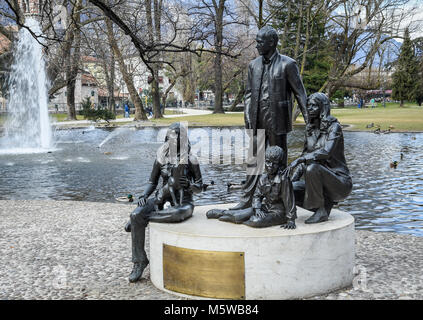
{"type": "Point", "coordinates": [152, 209]}
{"type": "Point", "coordinates": [327, 179]}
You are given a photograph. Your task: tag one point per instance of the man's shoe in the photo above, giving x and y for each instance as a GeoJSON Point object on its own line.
{"type": "Point", "coordinates": [237, 216]}
{"type": "Point", "coordinates": [137, 271]}
{"type": "Point", "coordinates": [227, 218]}
{"type": "Point", "coordinates": [319, 216]}
{"type": "Point", "coordinates": [215, 213]}
{"type": "Point", "coordinates": [268, 221]}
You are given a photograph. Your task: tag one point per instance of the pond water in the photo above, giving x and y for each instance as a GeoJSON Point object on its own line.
{"type": "Point", "coordinates": [383, 198]}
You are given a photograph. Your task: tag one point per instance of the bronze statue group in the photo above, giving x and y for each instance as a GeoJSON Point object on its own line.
{"type": "Point", "coordinates": [316, 181]}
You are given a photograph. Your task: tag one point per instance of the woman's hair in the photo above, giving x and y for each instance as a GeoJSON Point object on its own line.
{"type": "Point", "coordinates": [324, 103]}
{"type": "Point", "coordinates": [183, 144]}
{"type": "Point", "coordinates": [176, 126]}
{"type": "Point", "coordinates": [325, 118]}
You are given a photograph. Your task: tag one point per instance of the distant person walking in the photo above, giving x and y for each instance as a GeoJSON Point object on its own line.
{"type": "Point", "coordinates": [373, 102]}
{"type": "Point", "coordinates": [361, 103]}
{"type": "Point", "coordinates": [126, 110]}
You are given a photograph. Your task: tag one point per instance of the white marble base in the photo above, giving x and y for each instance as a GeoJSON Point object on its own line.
{"type": "Point", "coordinates": [279, 264]}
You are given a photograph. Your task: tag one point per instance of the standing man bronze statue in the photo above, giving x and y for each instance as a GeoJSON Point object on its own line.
{"type": "Point", "coordinates": [272, 80]}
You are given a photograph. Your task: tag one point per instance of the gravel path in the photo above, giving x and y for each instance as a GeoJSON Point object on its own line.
{"type": "Point", "coordinates": [78, 250]}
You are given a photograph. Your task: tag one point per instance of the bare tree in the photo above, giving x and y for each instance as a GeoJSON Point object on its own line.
{"type": "Point", "coordinates": [217, 20]}
{"type": "Point", "coordinates": [97, 44]}
{"type": "Point", "coordinates": [357, 30]}
{"type": "Point", "coordinates": [73, 60]}
{"type": "Point", "coordinates": [154, 13]}
{"type": "Point", "coordinates": [127, 77]}
{"type": "Point", "coordinates": [179, 71]}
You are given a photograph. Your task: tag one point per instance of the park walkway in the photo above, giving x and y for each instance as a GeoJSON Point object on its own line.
{"type": "Point", "coordinates": [79, 250]}
{"type": "Point", "coordinates": [187, 112]}
{"type": "Point", "coordinates": [184, 112]}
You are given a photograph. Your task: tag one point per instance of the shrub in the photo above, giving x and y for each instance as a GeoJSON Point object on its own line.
{"type": "Point", "coordinates": [95, 114]}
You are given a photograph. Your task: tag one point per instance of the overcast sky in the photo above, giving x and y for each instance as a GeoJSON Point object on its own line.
{"type": "Point", "coordinates": [416, 20]}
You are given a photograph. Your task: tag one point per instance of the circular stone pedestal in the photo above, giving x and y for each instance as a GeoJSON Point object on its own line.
{"type": "Point", "coordinates": [208, 258]}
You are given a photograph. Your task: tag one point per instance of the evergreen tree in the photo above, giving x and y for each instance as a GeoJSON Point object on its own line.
{"type": "Point", "coordinates": [419, 50]}
{"type": "Point", "coordinates": [405, 77]}
{"type": "Point", "coordinates": [301, 26]}
{"type": "Point", "coordinates": [419, 92]}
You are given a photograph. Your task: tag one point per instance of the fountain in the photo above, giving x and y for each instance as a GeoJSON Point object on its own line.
{"type": "Point", "coordinates": [27, 128]}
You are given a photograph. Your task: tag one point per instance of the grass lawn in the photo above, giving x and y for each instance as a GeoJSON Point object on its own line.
{"type": "Point", "coordinates": [59, 117]}
{"type": "Point", "coordinates": [407, 118]}
{"type": "Point", "coordinates": [208, 120]}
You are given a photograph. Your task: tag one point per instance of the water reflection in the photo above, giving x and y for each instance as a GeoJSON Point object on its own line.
{"type": "Point", "coordinates": [383, 198]}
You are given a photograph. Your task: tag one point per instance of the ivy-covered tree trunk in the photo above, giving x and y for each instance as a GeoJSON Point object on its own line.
{"type": "Point", "coordinates": [419, 94]}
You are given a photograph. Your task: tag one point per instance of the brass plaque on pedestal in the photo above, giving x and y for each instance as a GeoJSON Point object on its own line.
{"type": "Point", "coordinates": [212, 274]}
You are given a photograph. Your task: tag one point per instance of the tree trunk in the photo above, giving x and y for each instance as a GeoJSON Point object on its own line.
{"type": "Point", "coordinates": [72, 65]}
{"type": "Point", "coordinates": [260, 15]}
{"type": "Point", "coordinates": [238, 98]}
{"type": "Point", "coordinates": [72, 74]}
{"type": "Point", "coordinates": [298, 35]}
{"type": "Point", "coordinates": [111, 84]}
{"type": "Point", "coordinates": [127, 78]}
{"type": "Point", "coordinates": [296, 111]}
{"type": "Point", "coordinates": [157, 7]}
{"type": "Point", "coordinates": [218, 92]}
{"type": "Point", "coordinates": [70, 99]}
{"type": "Point", "coordinates": [154, 35]}
{"type": "Point", "coordinates": [188, 82]}
{"type": "Point", "coordinates": [309, 31]}
{"type": "Point", "coordinates": [166, 93]}
{"type": "Point", "coordinates": [109, 73]}
{"type": "Point", "coordinates": [218, 85]}
{"type": "Point", "coordinates": [285, 28]}
{"type": "Point", "coordinates": [155, 93]}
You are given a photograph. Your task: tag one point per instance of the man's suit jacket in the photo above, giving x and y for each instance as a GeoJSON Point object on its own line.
{"type": "Point", "coordinates": [284, 79]}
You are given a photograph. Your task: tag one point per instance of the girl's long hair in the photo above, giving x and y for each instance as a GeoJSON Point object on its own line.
{"type": "Point", "coordinates": [164, 154]}
{"type": "Point", "coordinates": [325, 118]}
